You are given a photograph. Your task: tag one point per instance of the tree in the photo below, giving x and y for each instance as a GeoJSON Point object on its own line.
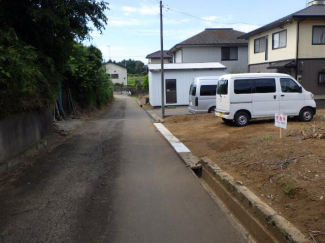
{"type": "Point", "coordinates": [42, 34]}
{"type": "Point", "coordinates": [133, 66]}
{"type": "Point", "coordinates": [86, 77]}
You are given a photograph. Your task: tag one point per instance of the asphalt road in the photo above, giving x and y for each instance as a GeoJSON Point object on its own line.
{"type": "Point", "coordinates": [115, 180]}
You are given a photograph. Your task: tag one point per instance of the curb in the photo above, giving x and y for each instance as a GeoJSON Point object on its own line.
{"type": "Point", "coordinates": [189, 159]}
{"type": "Point", "coordinates": [249, 209]}
{"type": "Point", "coordinates": [151, 115]}
{"type": "Point", "coordinates": [139, 102]}
{"type": "Point", "coordinates": [259, 219]}
{"type": "Point", "coordinates": [157, 118]}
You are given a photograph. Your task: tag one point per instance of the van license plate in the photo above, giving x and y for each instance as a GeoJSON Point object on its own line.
{"type": "Point", "coordinates": [220, 114]}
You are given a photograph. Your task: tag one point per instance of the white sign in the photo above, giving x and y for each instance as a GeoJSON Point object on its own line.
{"type": "Point", "coordinates": [281, 120]}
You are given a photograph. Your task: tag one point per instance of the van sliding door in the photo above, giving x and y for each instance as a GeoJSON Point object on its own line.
{"type": "Point", "coordinates": [266, 100]}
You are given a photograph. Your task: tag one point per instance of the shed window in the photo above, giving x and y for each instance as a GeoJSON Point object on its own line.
{"type": "Point", "coordinates": [321, 79]}
{"type": "Point", "coordinates": [114, 76]}
{"type": "Point", "coordinates": [229, 53]}
{"type": "Point", "coordinates": [280, 39]}
{"type": "Point", "coordinates": [319, 35]}
{"type": "Point", "coordinates": [259, 45]}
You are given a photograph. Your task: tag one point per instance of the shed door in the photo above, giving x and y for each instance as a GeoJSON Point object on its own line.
{"type": "Point", "coordinates": [171, 97]}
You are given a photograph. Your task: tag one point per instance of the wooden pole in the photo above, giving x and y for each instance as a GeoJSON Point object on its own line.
{"type": "Point", "coordinates": [281, 132]}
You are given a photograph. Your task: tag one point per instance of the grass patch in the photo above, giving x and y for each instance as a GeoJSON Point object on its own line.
{"type": "Point", "coordinates": [133, 77]}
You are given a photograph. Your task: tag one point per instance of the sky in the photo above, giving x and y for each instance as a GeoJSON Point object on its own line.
{"type": "Point", "coordinates": [133, 26]}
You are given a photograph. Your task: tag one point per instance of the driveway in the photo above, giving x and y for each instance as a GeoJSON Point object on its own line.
{"type": "Point", "coordinates": [171, 111]}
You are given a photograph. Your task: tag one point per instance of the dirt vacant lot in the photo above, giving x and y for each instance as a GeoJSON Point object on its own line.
{"type": "Point", "coordinates": [288, 173]}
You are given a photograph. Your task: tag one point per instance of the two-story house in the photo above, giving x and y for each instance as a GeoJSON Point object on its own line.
{"type": "Point", "coordinates": [214, 45]}
{"type": "Point", "coordinates": [295, 45]}
{"type": "Point", "coordinates": [213, 52]}
{"type": "Point", "coordinates": [154, 58]}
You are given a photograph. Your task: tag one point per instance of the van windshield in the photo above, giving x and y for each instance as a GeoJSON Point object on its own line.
{"type": "Point", "coordinates": [193, 90]}
{"type": "Point", "coordinates": [222, 87]}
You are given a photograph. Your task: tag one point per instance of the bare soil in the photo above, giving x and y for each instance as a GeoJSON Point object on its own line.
{"type": "Point", "coordinates": [288, 173]}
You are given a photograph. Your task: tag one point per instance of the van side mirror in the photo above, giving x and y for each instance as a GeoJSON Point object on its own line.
{"type": "Point", "coordinates": [300, 89]}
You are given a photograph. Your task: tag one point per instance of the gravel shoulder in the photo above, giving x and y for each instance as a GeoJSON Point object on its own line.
{"type": "Point", "coordinates": [288, 173]}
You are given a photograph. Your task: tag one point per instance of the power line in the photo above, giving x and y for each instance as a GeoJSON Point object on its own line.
{"type": "Point", "coordinates": [149, 6]}
{"type": "Point", "coordinates": [130, 56]}
{"type": "Point", "coordinates": [195, 17]}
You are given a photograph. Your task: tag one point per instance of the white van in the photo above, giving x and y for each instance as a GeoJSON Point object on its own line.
{"type": "Point", "coordinates": [202, 95]}
{"type": "Point", "coordinates": [241, 97]}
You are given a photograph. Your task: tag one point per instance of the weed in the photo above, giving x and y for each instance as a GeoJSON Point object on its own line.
{"type": "Point", "coordinates": [266, 137]}
{"type": "Point", "coordinates": [289, 188]}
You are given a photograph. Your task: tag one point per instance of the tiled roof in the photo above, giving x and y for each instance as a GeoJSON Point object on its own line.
{"type": "Point", "coordinates": [313, 11]}
{"type": "Point", "coordinates": [225, 36]}
{"type": "Point", "coordinates": [156, 55]}
{"type": "Point", "coordinates": [110, 62]}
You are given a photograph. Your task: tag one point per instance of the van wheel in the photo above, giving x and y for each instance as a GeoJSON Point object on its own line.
{"type": "Point", "coordinates": [211, 109]}
{"type": "Point", "coordinates": [306, 114]}
{"type": "Point", "coordinates": [241, 119]}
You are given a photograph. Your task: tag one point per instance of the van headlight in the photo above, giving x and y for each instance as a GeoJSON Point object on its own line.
{"type": "Point", "coordinates": [312, 95]}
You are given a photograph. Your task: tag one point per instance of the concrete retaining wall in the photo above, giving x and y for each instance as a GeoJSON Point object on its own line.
{"type": "Point", "coordinates": [18, 132]}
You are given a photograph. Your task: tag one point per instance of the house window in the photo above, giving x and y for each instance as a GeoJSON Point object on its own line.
{"type": "Point", "coordinates": [259, 45]}
{"type": "Point", "coordinates": [319, 35]}
{"type": "Point", "coordinates": [280, 39]}
{"type": "Point", "coordinates": [321, 79]}
{"type": "Point", "coordinates": [114, 76]}
{"type": "Point", "coordinates": [229, 53]}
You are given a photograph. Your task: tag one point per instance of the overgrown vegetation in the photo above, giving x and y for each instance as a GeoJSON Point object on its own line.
{"type": "Point", "coordinates": [86, 78]}
{"type": "Point", "coordinates": [37, 41]}
{"type": "Point", "coordinates": [145, 83]}
{"type": "Point", "coordinates": [134, 79]}
{"type": "Point", "coordinates": [25, 75]}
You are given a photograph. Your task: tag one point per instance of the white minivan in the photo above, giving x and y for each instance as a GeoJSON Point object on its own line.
{"type": "Point", "coordinates": [241, 97]}
{"type": "Point", "coordinates": [202, 96]}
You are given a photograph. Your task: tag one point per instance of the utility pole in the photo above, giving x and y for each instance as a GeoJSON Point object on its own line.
{"type": "Point", "coordinates": [162, 64]}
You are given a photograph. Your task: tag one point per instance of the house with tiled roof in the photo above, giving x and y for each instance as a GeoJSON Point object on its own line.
{"type": "Point", "coordinates": [214, 45]}
{"type": "Point", "coordinates": [294, 44]}
{"type": "Point", "coordinates": [154, 58]}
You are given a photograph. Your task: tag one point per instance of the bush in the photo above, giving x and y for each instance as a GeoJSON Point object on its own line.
{"type": "Point", "coordinates": [26, 81]}
{"type": "Point", "coordinates": [145, 83]}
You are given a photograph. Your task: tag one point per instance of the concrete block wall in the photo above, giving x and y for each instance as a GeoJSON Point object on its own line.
{"type": "Point", "coordinates": [19, 132]}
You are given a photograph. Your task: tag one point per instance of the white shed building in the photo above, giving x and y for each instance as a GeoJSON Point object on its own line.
{"type": "Point", "coordinates": [119, 73]}
{"type": "Point", "coordinates": [178, 78]}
